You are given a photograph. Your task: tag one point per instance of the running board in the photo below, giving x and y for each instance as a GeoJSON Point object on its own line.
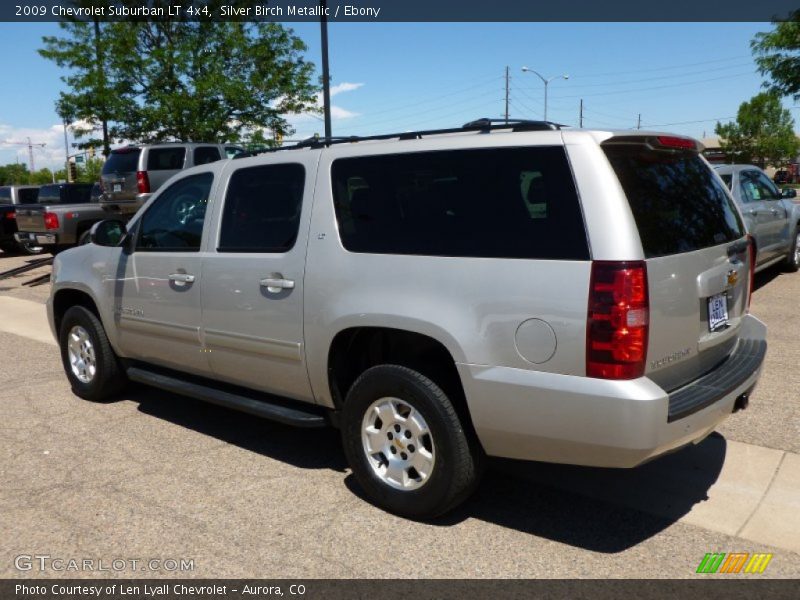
{"type": "Point", "coordinates": [274, 410]}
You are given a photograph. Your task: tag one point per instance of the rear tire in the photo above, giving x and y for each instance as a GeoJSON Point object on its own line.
{"type": "Point", "coordinates": [792, 264]}
{"type": "Point", "coordinates": [92, 367]}
{"type": "Point", "coordinates": [406, 445]}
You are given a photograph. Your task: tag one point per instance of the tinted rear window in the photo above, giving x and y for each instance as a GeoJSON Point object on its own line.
{"type": "Point", "coordinates": [496, 203]}
{"type": "Point", "coordinates": [122, 161]}
{"type": "Point", "coordinates": [65, 194]}
{"type": "Point", "coordinates": [28, 195]}
{"type": "Point", "coordinates": [678, 204]}
{"type": "Point", "coordinates": [165, 159]}
{"type": "Point", "coordinates": [5, 195]}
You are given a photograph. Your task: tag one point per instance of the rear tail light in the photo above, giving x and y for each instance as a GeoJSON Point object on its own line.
{"type": "Point", "coordinates": [11, 215]}
{"type": "Point", "coordinates": [142, 182]}
{"type": "Point", "coordinates": [751, 254]}
{"type": "Point", "coordinates": [50, 220]}
{"type": "Point", "coordinates": [672, 141]}
{"type": "Point", "coordinates": [618, 320]}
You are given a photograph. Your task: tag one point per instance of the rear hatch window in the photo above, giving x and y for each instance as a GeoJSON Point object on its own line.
{"type": "Point", "coordinates": [29, 196]}
{"type": "Point", "coordinates": [678, 204]}
{"type": "Point", "coordinates": [5, 195]}
{"type": "Point", "coordinates": [124, 160]}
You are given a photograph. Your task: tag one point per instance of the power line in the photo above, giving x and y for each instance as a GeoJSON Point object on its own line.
{"type": "Point", "coordinates": [650, 70]}
{"type": "Point", "coordinates": [657, 87]}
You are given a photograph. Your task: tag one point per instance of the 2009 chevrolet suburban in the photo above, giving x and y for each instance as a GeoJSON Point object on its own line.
{"type": "Point", "coordinates": [519, 291]}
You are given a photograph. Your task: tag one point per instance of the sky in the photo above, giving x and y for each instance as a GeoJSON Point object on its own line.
{"type": "Point", "coordinates": [387, 77]}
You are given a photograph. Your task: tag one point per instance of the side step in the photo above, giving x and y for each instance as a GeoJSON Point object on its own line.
{"type": "Point", "coordinates": [273, 409]}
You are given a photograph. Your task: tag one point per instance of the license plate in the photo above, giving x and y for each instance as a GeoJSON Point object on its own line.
{"type": "Point", "coordinates": [117, 187]}
{"type": "Point", "coordinates": [717, 311]}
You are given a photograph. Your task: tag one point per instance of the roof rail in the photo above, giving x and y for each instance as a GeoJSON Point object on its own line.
{"type": "Point", "coordinates": [484, 125]}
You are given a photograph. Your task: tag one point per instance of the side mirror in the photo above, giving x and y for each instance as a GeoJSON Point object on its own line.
{"type": "Point", "coordinates": [788, 193]}
{"type": "Point", "coordinates": [108, 232]}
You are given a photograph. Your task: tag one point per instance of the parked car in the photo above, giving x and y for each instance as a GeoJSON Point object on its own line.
{"type": "Point", "coordinates": [781, 177]}
{"type": "Point", "coordinates": [11, 197]}
{"type": "Point", "coordinates": [64, 212]}
{"type": "Point", "coordinates": [772, 219]}
{"type": "Point", "coordinates": [131, 174]}
{"type": "Point", "coordinates": [518, 291]}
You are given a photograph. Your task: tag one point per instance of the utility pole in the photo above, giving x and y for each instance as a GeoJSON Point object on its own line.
{"type": "Point", "coordinates": [66, 152]}
{"type": "Point", "coordinates": [507, 90]}
{"type": "Point", "coordinates": [639, 121]}
{"type": "Point", "coordinates": [580, 115]}
{"type": "Point", "coordinates": [326, 78]}
{"type": "Point", "coordinates": [98, 55]}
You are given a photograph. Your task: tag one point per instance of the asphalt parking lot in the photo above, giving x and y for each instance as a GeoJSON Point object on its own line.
{"type": "Point", "coordinates": [157, 476]}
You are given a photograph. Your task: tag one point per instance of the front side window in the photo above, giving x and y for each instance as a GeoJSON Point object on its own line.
{"type": "Point", "coordinates": [174, 222]}
{"type": "Point", "coordinates": [165, 159]}
{"type": "Point", "coordinates": [493, 203]}
{"type": "Point", "coordinates": [262, 209]}
{"type": "Point", "coordinates": [205, 154]}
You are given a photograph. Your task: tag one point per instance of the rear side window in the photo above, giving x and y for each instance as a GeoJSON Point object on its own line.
{"type": "Point", "coordinates": [262, 209]}
{"type": "Point", "coordinates": [205, 154]}
{"type": "Point", "coordinates": [728, 179]}
{"type": "Point", "coordinates": [233, 151]}
{"type": "Point", "coordinates": [495, 203]}
{"type": "Point", "coordinates": [678, 204]}
{"type": "Point", "coordinates": [124, 160]}
{"type": "Point", "coordinates": [165, 159]}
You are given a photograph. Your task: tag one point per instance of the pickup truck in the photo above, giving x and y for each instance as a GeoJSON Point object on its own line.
{"type": "Point", "coordinates": [64, 213]}
{"type": "Point", "coordinates": [11, 196]}
{"type": "Point", "coordinates": [771, 217]}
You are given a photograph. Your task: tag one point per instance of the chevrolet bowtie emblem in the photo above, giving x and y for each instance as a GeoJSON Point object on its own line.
{"type": "Point", "coordinates": [733, 277]}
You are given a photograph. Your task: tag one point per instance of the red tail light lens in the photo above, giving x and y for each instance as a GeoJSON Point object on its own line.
{"type": "Point", "coordinates": [11, 215]}
{"type": "Point", "coordinates": [142, 182]}
{"type": "Point", "coordinates": [669, 141]}
{"type": "Point", "coordinates": [50, 220]}
{"type": "Point", "coordinates": [619, 319]}
{"type": "Point", "coordinates": [751, 254]}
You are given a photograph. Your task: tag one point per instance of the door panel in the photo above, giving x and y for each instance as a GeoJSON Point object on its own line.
{"type": "Point", "coordinates": [253, 280]}
{"type": "Point", "coordinates": [758, 215]}
{"type": "Point", "coordinates": [158, 304]}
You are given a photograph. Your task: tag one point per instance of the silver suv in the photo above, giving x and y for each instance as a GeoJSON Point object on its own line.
{"type": "Point", "coordinates": [132, 173]}
{"type": "Point", "coordinates": [516, 291]}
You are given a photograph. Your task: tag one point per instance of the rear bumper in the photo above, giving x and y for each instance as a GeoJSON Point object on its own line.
{"type": "Point", "coordinates": [126, 206]}
{"type": "Point", "coordinates": [43, 239]}
{"type": "Point", "coordinates": [568, 419]}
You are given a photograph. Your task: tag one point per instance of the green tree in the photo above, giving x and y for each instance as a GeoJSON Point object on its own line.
{"type": "Point", "coordinates": [175, 79]}
{"type": "Point", "coordinates": [89, 172]}
{"type": "Point", "coordinates": [763, 133]}
{"type": "Point", "coordinates": [777, 54]}
{"type": "Point", "coordinates": [41, 177]}
{"type": "Point", "coordinates": [14, 174]}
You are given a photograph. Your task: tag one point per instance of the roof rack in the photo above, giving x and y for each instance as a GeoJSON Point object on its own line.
{"type": "Point", "coordinates": [484, 125]}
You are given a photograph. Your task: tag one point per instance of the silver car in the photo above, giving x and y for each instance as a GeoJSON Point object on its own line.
{"type": "Point", "coordinates": [519, 291]}
{"type": "Point", "coordinates": [132, 173]}
{"type": "Point", "coordinates": [772, 219]}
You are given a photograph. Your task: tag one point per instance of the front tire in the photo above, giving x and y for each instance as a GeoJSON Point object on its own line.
{"type": "Point", "coordinates": [92, 367]}
{"type": "Point", "coordinates": [792, 264]}
{"type": "Point", "coordinates": [405, 443]}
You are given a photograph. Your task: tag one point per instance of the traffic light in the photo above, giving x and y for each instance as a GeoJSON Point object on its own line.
{"type": "Point", "coordinates": [91, 151]}
{"type": "Point", "coordinates": [73, 172]}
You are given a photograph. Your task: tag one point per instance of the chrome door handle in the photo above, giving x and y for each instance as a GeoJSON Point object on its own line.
{"type": "Point", "coordinates": [774, 211]}
{"type": "Point", "coordinates": [276, 283]}
{"type": "Point", "coordinates": [752, 211]}
{"type": "Point", "coordinates": [181, 278]}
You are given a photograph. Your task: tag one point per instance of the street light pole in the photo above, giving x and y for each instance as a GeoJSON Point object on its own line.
{"type": "Point", "coordinates": [326, 78]}
{"type": "Point", "coordinates": [546, 83]}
